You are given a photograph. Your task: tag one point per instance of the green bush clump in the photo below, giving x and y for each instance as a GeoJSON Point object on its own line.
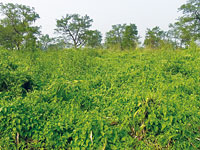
{"type": "Point", "coordinates": [96, 99]}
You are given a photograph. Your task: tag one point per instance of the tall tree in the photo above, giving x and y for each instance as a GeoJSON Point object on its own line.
{"type": "Point", "coordinates": [7, 37]}
{"type": "Point", "coordinates": [188, 25]}
{"type": "Point", "coordinates": [114, 37]}
{"type": "Point", "coordinates": [122, 36]}
{"type": "Point", "coordinates": [191, 18]}
{"type": "Point", "coordinates": [154, 38]}
{"type": "Point", "coordinates": [73, 28]}
{"type": "Point", "coordinates": [174, 35]}
{"type": "Point", "coordinates": [130, 36]}
{"type": "Point", "coordinates": [93, 38]}
{"type": "Point", "coordinates": [17, 22]}
{"type": "Point", "coordinates": [191, 14]}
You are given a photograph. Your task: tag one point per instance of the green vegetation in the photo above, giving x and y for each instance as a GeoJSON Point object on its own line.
{"type": "Point", "coordinates": [75, 29]}
{"type": "Point", "coordinates": [122, 36]}
{"type": "Point", "coordinates": [16, 27]}
{"type": "Point", "coordinates": [52, 97]}
{"type": "Point", "coordinates": [99, 99]}
{"type": "Point", "coordinates": [154, 38]}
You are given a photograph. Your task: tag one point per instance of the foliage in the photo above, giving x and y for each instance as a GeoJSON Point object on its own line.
{"type": "Point", "coordinates": [154, 38]}
{"type": "Point", "coordinates": [17, 26]}
{"type": "Point", "coordinates": [73, 28]}
{"type": "Point", "coordinates": [45, 42]}
{"type": "Point", "coordinates": [93, 38]}
{"type": "Point", "coordinates": [187, 28]}
{"type": "Point", "coordinates": [7, 38]}
{"type": "Point", "coordinates": [74, 99]}
{"type": "Point", "coordinates": [191, 16]}
{"type": "Point", "coordinates": [130, 38]}
{"type": "Point", "coordinates": [115, 35]}
{"type": "Point", "coordinates": [122, 35]}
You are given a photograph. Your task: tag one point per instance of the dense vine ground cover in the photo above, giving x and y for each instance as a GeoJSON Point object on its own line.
{"type": "Point", "coordinates": [98, 99]}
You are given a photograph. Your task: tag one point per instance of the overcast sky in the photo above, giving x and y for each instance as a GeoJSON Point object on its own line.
{"type": "Point", "coordinates": [105, 13]}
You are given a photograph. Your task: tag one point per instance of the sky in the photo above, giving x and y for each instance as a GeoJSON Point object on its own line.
{"type": "Point", "coordinates": [105, 13]}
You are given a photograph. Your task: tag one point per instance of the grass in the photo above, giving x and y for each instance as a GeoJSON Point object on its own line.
{"type": "Point", "coordinates": [99, 99]}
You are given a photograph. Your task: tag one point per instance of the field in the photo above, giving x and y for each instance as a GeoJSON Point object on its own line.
{"type": "Point", "coordinates": [100, 99]}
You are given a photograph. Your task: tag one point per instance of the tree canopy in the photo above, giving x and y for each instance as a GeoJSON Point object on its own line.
{"type": "Point", "coordinates": [73, 28]}
{"type": "Point", "coordinates": [17, 31]}
{"type": "Point", "coordinates": [154, 37]}
{"type": "Point", "coordinates": [93, 38]}
{"type": "Point", "coordinates": [130, 37]}
{"type": "Point", "coordinates": [123, 36]}
{"type": "Point", "coordinates": [188, 25]}
{"type": "Point", "coordinates": [16, 26]}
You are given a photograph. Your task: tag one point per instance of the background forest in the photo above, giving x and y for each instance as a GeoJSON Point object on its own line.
{"type": "Point", "coordinates": [73, 30]}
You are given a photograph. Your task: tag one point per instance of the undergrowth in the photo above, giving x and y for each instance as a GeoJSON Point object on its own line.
{"type": "Point", "coordinates": [97, 99]}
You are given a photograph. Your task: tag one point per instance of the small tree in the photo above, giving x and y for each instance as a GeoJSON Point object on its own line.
{"type": "Point", "coordinates": [17, 26]}
{"type": "Point", "coordinates": [74, 28]}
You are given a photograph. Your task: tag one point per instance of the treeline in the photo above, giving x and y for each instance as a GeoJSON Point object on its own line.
{"type": "Point", "coordinates": [17, 31]}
